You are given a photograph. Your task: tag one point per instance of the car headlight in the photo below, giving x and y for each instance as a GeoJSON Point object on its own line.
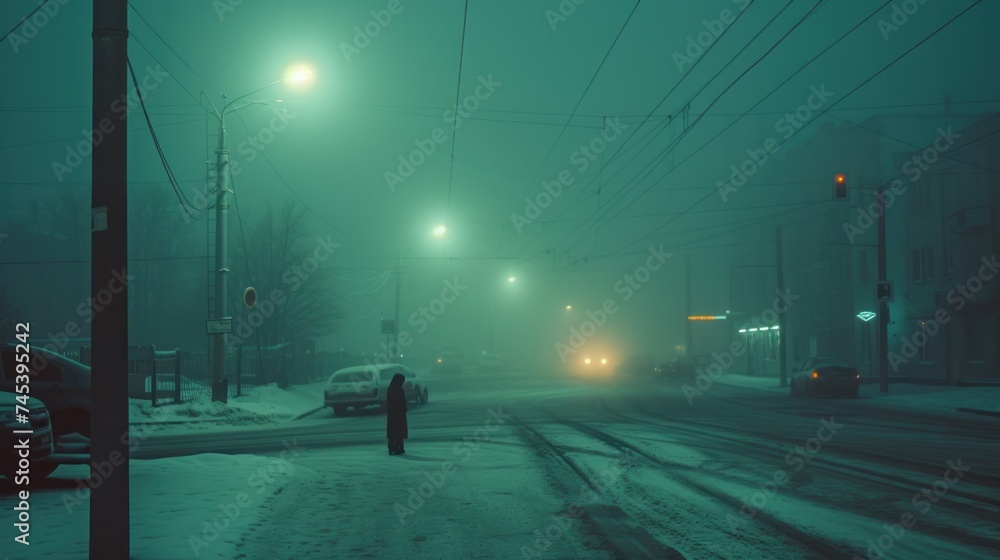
{"type": "Point", "coordinates": [7, 416]}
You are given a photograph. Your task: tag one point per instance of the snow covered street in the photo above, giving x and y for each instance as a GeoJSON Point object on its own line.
{"type": "Point", "coordinates": [557, 469]}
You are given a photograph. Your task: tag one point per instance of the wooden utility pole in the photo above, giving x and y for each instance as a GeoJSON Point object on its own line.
{"type": "Point", "coordinates": [109, 499]}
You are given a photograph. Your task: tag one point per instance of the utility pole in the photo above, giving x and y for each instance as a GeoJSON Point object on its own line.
{"type": "Point", "coordinates": [688, 350]}
{"type": "Point", "coordinates": [395, 349]}
{"type": "Point", "coordinates": [779, 264]}
{"type": "Point", "coordinates": [109, 501]}
{"type": "Point", "coordinates": [489, 317]}
{"type": "Point", "coordinates": [995, 225]}
{"type": "Point", "coordinates": [883, 306]}
{"type": "Point", "coordinates": [220, 388]}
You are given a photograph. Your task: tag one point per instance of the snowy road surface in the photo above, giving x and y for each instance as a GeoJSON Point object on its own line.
{"type": "Point", "coordinates": [562, 469]}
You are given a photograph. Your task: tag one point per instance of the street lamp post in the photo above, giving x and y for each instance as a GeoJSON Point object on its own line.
{"type": "Point", "coordinates": [394, 351]}
{"type": "Point", "coordinates": [296, 75]}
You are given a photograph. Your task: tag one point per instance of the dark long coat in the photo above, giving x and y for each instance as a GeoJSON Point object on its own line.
{"type": "Point", "coordinates": [396, 427]}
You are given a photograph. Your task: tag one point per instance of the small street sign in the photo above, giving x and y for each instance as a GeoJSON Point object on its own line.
{"type": "Point", "coordinates": [219, 326]}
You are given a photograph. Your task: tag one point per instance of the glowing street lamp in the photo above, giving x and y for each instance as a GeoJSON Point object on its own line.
{"type": "Point", "coordinates": [512, 279]}
{"type": "Point", "coordinates": [439, 231]}
{"type": "Point", "coordinates": [296, 76]}
{"type": "Point", "coordinates": [299, 75]}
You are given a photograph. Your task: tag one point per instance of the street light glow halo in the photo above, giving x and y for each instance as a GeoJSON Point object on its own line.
{"type": "Point", "coordinates": [299, 75]}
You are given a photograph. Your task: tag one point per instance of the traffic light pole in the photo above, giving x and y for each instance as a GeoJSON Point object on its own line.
{"type": "Point", "coordinates": [782, 358]}
{"type": "Point", "coordinates": [883, 310]}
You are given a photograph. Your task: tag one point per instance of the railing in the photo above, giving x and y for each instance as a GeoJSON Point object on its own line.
{"type": "Point", "coordinates": [176, 376]}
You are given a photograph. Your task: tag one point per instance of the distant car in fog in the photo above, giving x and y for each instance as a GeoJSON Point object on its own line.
{"type": "Point", "coordinates": [680, 367]}
{"type": "Point", "coordinates": [637, 366]}
{"type": "Point", "coordinates": [825, 375]}
{"type": "Point", "coordinates": [489, 363]}
{"type": "Point", "coordinates": [360, 386]}
{"type": "Point", "coordinates": [448, 362]}
{"type": "Point", "coordinates": [590, 362]}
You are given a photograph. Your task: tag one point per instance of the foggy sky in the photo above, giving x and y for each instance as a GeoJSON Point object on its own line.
{"type": "Point", "coordinates": [339, 138]}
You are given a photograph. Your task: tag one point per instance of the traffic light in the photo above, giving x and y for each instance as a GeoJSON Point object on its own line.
{"type": "Point", "coordinates": [883, 291]}
{"type": "Point", "coordinates": [840, 186]}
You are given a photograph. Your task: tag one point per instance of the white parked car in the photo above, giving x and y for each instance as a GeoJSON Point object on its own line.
{"type": "Point", "coordinates": [360, 386]}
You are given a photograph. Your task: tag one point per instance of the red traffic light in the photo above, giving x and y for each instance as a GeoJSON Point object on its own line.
{"type": "Point", "coordinates": [840, 186]}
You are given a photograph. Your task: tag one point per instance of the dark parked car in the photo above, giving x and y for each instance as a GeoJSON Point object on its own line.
{"type": "Point", "coordinates": [40, 443]}
{"type": "Point", "coordinates": [638, 366]}
{"type": "Point", "coordinates": [680, 367]}
{"type": "Point", "coordinates": [489, 363]}
{"type": "Point", "coordinates": [825, 375]}
{"type": "Point", "coordinates": [61, 383]}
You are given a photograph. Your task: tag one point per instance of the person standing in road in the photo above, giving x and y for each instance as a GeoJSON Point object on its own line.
{"type": "Point", "coordinates": [396, 429]}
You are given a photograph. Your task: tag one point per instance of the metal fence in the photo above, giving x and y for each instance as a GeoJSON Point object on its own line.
{"type": "Point", "coordinates": [175, 376]}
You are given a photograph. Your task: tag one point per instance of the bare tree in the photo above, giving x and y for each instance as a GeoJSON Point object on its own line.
{"type": "Point", "coordinates": [295, 288]}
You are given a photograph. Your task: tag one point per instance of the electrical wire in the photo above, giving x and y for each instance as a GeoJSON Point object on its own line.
{"type": "Point", "coordinates": [625, 190]}
{"type": "Point", "coordinates": [454, 131]}
{"type": "Point", "coordinates": [288, 187]}
{"type": "Point", "coordinates": [24, 19]}
{"type": "Point", "coordinates": [583, 96]}
{"type": "Point", "coordinates": [822, 112]}
{"type": "Point", "coordinates": [166, 44]}
{"type": "Point", "coordinates": [185, 203]}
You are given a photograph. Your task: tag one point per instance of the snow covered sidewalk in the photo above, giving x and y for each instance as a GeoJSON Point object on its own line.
{"type": "Point", "coordinates": [463, 499]}
{"type": "Point", "coordinates": [261, 405]}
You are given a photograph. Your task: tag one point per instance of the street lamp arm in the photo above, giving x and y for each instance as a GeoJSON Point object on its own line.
{"type": "Point", "coordinates": [228, 105]}
{"type": "Point", "coordinates": [210, 104]}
